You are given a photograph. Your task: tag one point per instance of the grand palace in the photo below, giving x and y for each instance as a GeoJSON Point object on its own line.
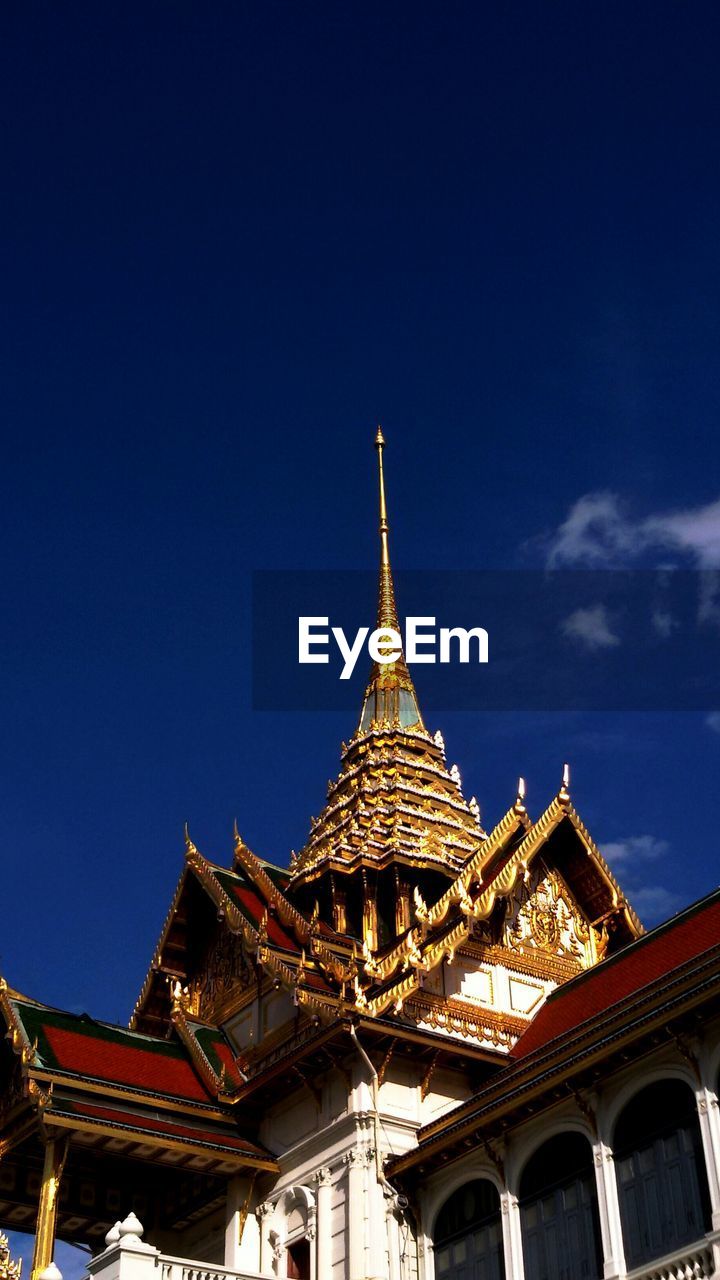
{"type": "Point", "coordinates": [425, 1049]}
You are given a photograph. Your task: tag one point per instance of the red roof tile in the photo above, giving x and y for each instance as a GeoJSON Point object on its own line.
{"type": "Point", "coordinates": [254, 907]}
{"type": "Point", "coordinates": [141, 1068]}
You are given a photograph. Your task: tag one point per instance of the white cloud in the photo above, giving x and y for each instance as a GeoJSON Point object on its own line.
{"type": "Point", "coordinates": [599, 533]}
{"type": "Point", "coordinates": [634, 849]}
{"type": "Point", "coordinates": [696, 530]}
{"type": "Point", "coordinates": [591, 626]}
{"type": "Point", "coordinates": [652, 901]}
{"type": "Point", "coordinates": [664, 623]}
{"type": "Point", "coordinates": [655, 903]}
{"type": "Point", "coordinates": [595, 533]}
{"type": "Point", "coordinates": [713, 721]}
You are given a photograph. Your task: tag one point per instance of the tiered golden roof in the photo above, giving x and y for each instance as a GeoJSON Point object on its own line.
{"type": "Point", "coordinates": [394, 800]}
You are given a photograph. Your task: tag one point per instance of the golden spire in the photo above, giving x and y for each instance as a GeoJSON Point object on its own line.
{"type": "Point", "coordinates": [390, 698]}
{"type": "Point", "coordinates": [387, 609]}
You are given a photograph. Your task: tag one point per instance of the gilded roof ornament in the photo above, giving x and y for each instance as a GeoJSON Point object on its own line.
{"type": "Point", "coordinates": [395, 800]}
{"type": "Point", "coordinates": [9, 1270]}
{"type": "Point", "coordinates": [390, 698]}
{"type": "Point", "coordinates": [564, 792]}
{"type": "Point", "coordinates": [520, 797]}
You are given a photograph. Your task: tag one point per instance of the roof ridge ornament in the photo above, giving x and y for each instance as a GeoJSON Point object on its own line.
{"type": "Point", "coordinates": [9, 1270]}
{"type": "Point", "coordinates": [520, 797]}
{"type": "Point", "coordinates": [564, 792]}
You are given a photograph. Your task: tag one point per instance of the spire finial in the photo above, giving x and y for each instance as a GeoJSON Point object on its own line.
{"type": "Point", "coordinates": [564, 792]}
{"type": "Point", "coordinates": [387, 611]}
{"type": "Point", "coordinates": [380, 445]}
{"type": "Point", "coordinates": [520, 797]}
{"type": "Point", "coordinates": [390, 700]}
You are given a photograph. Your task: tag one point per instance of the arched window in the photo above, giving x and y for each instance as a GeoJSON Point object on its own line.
{"type": "Point", "coordinates": [558, 1211]}
{"type": "Point", "coordinates": [468, 1241]}
{"type": "Point", "coordinates": [662, 1183]}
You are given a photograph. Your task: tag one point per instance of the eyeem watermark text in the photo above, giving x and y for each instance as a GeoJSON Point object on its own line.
{"type": "Point", "coordinates": [423, 643]}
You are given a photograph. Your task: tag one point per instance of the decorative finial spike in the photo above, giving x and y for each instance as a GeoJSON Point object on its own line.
{"type": "Point", "coordinates": [520, 797]}
{"type": "Point", "coordinates": [384, 707]}
{"type": "Point", "coordinates": [564, 792]}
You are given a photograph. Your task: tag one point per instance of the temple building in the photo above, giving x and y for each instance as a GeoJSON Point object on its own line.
{"type": "Point", "coordinates": [424, 1050]}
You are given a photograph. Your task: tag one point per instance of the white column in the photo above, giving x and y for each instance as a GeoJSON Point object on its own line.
{"type": "Point", "coordinates": [267, 1255]}
{"type": "Point", "coordinates": [394, 1245]}
{"type": "Point", "coordinates": [377, 1221]}
{"type": "Point", "coordinates": [709, 1117]}
{"type": "Point", "coordinates": [355, 1214]}
{"type": "Point", "coordinates": [609, 1211]}
{"type": "Point", "coordinates": [512, 1236]}
{"type": "Point", "coordinates": [323, 1178]}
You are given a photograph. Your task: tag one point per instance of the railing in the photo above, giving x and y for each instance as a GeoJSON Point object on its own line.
{"type": "Point", "coordinates": [693, 1263]}
{"type": "Point", "coordinates": [185, 1269]}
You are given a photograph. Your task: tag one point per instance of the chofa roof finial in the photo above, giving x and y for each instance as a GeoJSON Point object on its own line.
{"type": "Point", "coordinates": [520, 797]}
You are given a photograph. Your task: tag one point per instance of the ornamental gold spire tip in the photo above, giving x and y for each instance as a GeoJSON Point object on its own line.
{"type": "Point", "coordinates": [390, 699]}
{"type": "Point", "coordinates": [387, 613]}
{"type": "Point", "coordinates": [520, 797]}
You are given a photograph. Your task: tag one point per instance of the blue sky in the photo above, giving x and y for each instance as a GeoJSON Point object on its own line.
{"type": "Point", "coordinates": [234, 239]}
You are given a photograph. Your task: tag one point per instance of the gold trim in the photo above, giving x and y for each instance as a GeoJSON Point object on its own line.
{"type": "Point", "coordinates": [159, 1140]}
{"type": "Point", "coordinates": [556, 969]}
{"type": "Point", "coordinates": [165, 1102]}
{"type": "Point", "coordinates": [468, 1019]}
{"type": "Point", "coordinates": [157, 954]}
{"type": "Point", "coordinates": [54, 1163]}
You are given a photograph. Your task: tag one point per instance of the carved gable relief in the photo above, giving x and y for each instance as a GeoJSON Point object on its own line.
{"type": "Point", "coordinates": [544, 920]}
{"type": "Point", "coordinates": [496, 982]}
{"type": "Point", "coordinates": [223, 972]}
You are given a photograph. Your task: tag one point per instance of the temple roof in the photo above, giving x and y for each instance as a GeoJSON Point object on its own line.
{"type": "Point", "coordinates": [94, 1080]}
{"type": "Point", "coordinates": [303, 954]}
{"type": "Point", "coordinates": [77, 1046]}
{"type": "Point", "coordinates": [394, 800]}
{"type": "Point", "coordinates": [491, 875]}
{"type": "Point", "coordinates": [597, 1021]}
{"type": "Point", "coordinates": [396, 877]}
